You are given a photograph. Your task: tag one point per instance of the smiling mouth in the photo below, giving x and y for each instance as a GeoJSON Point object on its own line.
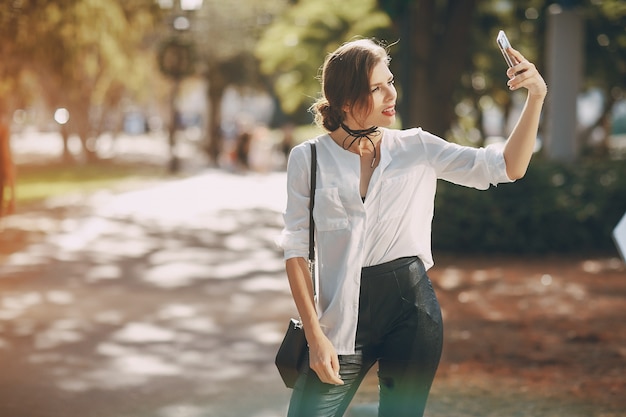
{"type": "Point", "coordinates": [390, 111]}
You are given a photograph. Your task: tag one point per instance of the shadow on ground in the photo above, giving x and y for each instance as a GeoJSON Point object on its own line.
{"type": "Point", "coordinates": [107, 311]}
{"type": "Point", "coordinates": [118, 316]}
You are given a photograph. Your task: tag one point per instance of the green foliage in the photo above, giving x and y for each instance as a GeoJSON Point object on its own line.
{"type": "Point", "coordinates": [525, 23]}
{"type": "Point", "coordinates": [293, 48]}
{"type": "Point", "coordinates": [81, 52]}
{"type": "Point", "coordinates": [554, 209]}
{"type": "Point", "coordinates": [605, 46]}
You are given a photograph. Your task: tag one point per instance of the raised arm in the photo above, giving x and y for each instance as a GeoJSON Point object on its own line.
{"type": "Point", "coordinates": [520, 144]}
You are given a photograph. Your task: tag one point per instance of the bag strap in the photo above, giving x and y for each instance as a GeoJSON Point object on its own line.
{"type": "Point", "coordinates": [311, 220]}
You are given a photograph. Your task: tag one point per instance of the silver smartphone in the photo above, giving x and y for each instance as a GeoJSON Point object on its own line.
{"type": "Point", "coordinates": [504, 45]}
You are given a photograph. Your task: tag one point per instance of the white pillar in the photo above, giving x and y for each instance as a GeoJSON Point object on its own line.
{"type": "Point", "coordinates": [564, 78]}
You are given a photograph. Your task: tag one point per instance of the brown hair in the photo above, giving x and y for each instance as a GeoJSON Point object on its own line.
{"type": "Point", "coordinates": [345, 80]}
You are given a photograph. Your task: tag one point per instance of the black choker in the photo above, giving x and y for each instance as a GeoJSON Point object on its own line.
{"type": "Point", "coordinates": [358, 135]}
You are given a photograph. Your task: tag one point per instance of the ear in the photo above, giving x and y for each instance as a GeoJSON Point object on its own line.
{"type": "Point", "coordinates": [347, 107]}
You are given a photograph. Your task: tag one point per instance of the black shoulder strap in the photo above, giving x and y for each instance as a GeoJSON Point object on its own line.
{"type": "Point", "coordinates": [312, 204]}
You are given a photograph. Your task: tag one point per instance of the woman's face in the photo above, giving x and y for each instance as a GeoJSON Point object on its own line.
{"type": "Point", "coordinates": [383, 101]}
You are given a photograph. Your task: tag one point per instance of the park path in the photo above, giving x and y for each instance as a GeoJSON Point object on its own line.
{"type": "Point", "coordinates": [169, 300]}
{"type": "Point", "coordinates": [166, 301]}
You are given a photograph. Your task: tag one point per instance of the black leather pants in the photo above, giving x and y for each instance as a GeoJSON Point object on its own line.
{"type": "Point", "coordinates": [400, 327]}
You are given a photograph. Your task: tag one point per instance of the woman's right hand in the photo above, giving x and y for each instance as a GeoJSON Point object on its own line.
{"type": "Point", "coordinates": [323, 359]}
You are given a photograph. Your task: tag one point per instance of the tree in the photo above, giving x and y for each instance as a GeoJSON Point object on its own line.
{"type": "Point", "coordinates": [482, 85]}
{"type": "Point", "coordinates": [83, 53]}
{"type": "Point", "coordinates": [7, 173]}
{"type": "Point", "coordinates": [435, 38]}
{"type": "Point", "coordinates": [225, 35]}
{"type": "Point", "coordinates": [525, 23]}
{"type": "Point", "coordinates": [446, 54]}
{"type": "Point", "coordinates": [605, 69]}
{"type": "Point", "coordinates": [293, 48]}
{"type": "Point", "coordinates": [433, 43]}
{"type": "Point", "coordinates": [9, 85]}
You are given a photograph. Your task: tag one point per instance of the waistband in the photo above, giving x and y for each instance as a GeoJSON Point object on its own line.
{"type": "Point", "coordinates": [392, 266]}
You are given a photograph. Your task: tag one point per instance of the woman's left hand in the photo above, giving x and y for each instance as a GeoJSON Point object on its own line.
{"type": "Point", "coordinates": [524, 74]}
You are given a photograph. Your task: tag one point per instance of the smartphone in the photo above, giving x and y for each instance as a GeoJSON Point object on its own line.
{"type": "Point", "coordinates": [504, 44]}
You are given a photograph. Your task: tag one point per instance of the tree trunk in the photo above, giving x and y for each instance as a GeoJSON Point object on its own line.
{"type": "Point", "coordinates": [604, 121]}
{"type": "Point", "coordinates": [437, 53]}
{"type": "Point", "coordinates": [174, 163]}
{"type": "Point", "coordinates": [214, 120]}
{"type": "Point", "coordinates": [81, 124]}
{"type": "Point", "coordinates": [65, 137]}
{"type": "Point", "coordinates": [215, 93]}
{"type": "Point", "coordinates": [7, 170]}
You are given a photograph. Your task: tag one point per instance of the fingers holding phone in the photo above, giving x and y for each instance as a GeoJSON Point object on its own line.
{"type": "Point", "coordinates": [525, 75]}
{"type": "Point", "coordinates": [521, 72]}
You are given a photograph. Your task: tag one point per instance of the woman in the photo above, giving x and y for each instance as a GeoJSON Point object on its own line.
{"type": "Point", "coordinates": [373, 212]}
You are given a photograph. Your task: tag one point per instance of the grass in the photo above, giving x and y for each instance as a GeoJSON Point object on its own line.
{"type": "Point", "coordinates": [38, 182]}
{"type": "Point", "coordinates": [35, 183]}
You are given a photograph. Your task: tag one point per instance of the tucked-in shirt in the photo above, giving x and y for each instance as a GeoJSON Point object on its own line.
{"type": "Point", "coordinates": [394, 221]}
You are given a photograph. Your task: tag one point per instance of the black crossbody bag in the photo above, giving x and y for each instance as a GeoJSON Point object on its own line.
{"type": "Point", "coordinates": [293, 349]}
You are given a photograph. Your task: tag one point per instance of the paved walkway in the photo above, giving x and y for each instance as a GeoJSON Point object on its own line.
{"type": "Point", "coordinates": [167, 302]}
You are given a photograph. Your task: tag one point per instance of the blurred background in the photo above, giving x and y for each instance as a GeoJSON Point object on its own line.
{"type": "Point", "coordinates": [143, 145]}
{"type": "Point", "coordinates": [84, 82]}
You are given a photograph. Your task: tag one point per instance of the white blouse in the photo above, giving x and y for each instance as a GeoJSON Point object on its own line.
{"type": "Point", "coordinates": [393, 222]}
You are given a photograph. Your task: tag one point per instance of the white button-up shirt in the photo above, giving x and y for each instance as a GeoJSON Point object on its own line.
{"type": "Point", "coordinates": [393, 222]}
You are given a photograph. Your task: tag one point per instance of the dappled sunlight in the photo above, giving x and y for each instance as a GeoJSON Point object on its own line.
{"type": "Point", "coordinates": [103, 272]}
{"type": "Point", "coordinates": [145, 365]}
{"type": "Point", "coordinates": [450, 278]}
{"type": "Point", "coordinates": [34, 255]}
{"type": "Point", "coordinates": [485, 292]}
{"type": "Point", "coordinates": [201, 325]}
{"type": "Point", "coordinates": [143, 333]}
{"type": "Point", "coordinates": [110, 317]}
{"type": "Point", "coordinates": [32, 222]}
{"type": "Point", "coordinates": [59, 297]}
{"type": "Point", "coordinates": [240, 268]}
{"type": "Point", "coordinates": [20, 302]}
{"type": "Point", "coordinates": [175, 274]}
{"type": "Point", "coordinates": [137, 302]}
{"type": "Point", "coordinates": [185, 254]}
{"type": "Point", "coordinates": [182, 410]}
{"type": "Point", "coordinates": [176, 311]}
{"type": "Point", "coordinates": [150, 288]}
{"type": "Point", "coordinates": [114, 246]}
{"type": "Point", "coordinates": [80, 234]}
{"type": "Point", "coordinates": [60, 332]}
{"type": "Point", "coordinates": [526, 325]}
{"type": "Point", "coordinates": [599, 266]}
{"type": "Point", "coordinates": [266, 283]}
{"type": "Point", "coordinates": [267, 333]}
{"type": "Point", "coordinates": [164, 203]}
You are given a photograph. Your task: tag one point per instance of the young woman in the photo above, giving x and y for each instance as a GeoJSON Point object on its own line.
{"type": "Point", "coordinates": [373, 211]}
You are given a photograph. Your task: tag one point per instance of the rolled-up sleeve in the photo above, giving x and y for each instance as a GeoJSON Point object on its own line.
{"type": "Point", "coordinates": [471, 167]}
{"type": "Point", "coordinates": [294, 239]}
